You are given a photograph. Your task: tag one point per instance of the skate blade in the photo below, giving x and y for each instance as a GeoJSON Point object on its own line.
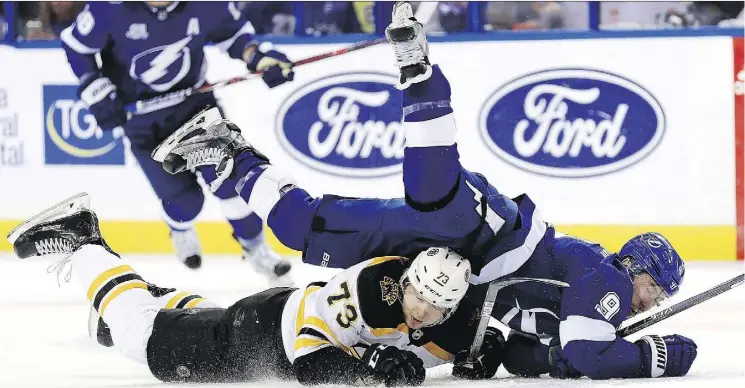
{"type": "Point", "coordinates": [77, 202]}
{"type": "Point", "coordinates": [201, 120]}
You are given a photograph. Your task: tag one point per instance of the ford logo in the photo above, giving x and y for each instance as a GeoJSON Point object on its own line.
{"type": "Point", "coordinates": [346, 124]}
{"type": "Point", "coordinates": [572, 123]}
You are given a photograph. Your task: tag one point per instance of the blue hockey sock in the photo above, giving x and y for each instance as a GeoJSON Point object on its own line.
{"type": "Point", "coordinates": [430, 174]}
{"type": "Point", "coordinates": [247, 228]}
{"type": "Point", "coordinates": [292, 217]}
{"type": "Point", "coordinates": [427, 100]}
{"type": "Point", "coordinates": [431, 166]}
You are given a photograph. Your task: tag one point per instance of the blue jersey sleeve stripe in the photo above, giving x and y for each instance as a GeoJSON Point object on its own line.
{"type": "Point", "coordinates": [512, 260]}
{"type": "Point", "coordinates": [579, 328]}
{"type": "Point", "coordinates": [73, 43]}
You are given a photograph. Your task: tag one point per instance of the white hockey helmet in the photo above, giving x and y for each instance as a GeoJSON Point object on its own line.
{"type": "Point", "coordinates": [440, 276]}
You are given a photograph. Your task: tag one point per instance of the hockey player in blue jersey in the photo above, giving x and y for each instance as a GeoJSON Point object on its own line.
{"type": "Point", "coordinates": [446, 204]}
{"type": "Point", "coordinates": [148, 49]}
{"type": "Point", "coordinates": [572, 332]}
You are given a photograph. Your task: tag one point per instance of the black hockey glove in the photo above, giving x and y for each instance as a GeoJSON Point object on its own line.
{"type": "Point", "coordinates": [394, 366]}
{"type": "Point", "coordinates": [489, 359]}
{"type": "Point", "coordinates": [99, 94]}
{"type": "Point", "coordinates": [276, 66]}
{"type": "Point", "coordinates": [671, 355]}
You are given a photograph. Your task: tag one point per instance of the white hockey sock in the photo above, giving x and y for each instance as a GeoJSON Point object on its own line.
{"type": "Point", "coordinates": [439, 131]}
{"type": "Point", "coordinates": [120, 296]}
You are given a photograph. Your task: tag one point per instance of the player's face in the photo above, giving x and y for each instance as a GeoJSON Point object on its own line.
{"type": "Point", "coordinates": [417, 311]}
{"type": "Point", "coordinates": [647, 294]}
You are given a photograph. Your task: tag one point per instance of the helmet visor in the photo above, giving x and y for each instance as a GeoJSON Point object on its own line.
{"type": "Point", "coordinates": [647, 294]}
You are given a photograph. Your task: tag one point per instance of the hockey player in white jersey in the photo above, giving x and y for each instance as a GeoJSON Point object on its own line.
{"type": "Point", "coordinates": [383, 320]}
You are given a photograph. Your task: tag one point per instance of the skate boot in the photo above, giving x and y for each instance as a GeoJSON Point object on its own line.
{"type": "Point", "coordinates": [188, 249]}
{"type": "Point", "coordinates": [60, 229]}
{"type": "Point", "coordinates": [410, 46]}
{"type": "Point", "coordinates": [266, 261]}
{"type": "Point", "coordinates": [205, 140]}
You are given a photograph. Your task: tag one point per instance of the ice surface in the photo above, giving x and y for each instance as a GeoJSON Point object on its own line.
{"type": "Point", "coordinates": [44, 341]}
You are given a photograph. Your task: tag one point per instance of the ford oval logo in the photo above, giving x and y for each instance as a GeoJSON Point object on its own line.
{"type": "Point", "coordinates": [572, 122]}
{"type": "Point", "coordinates": [346, 124]}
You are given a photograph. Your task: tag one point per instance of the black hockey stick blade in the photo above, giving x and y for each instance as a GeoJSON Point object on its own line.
{"type": "Point", "coordinates": [681, 306]}
{"type": "Point", "coordinates": [486, 309]}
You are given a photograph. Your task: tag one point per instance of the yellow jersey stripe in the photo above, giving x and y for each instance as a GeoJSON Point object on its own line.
{"type": "Point", "coordinates": [322, 326]}
{"type": "Point", "coordinates": [175, 299]}
{"type": "Point", "coordinates": [193, 303]}
{"type": "Point", "coordinates": [106, 276]}
{"type": "Point", "coordinates": [386, 331]}
{"type": "Point", "coordinates": [301, 310]}
{"type": "Point", "coordinates": [113, 294]}
{"type": "Point", "coordinates": [437, 351]}
{"type": "Point", "coordinates": [382, 259]}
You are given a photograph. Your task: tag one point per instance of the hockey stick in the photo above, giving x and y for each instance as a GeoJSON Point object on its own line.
{"type": "Point", "coordinates": [173, 98]}
{"type": "Point", "coordinates": [681, 306]}
{"type": "Point", "coordinates": [486, 309]}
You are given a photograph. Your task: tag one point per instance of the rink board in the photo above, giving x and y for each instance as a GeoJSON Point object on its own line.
{"type": "Point", "coordinates": [670, 161]}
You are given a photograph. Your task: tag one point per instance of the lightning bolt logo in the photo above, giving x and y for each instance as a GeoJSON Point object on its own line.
{"type": "Point", "coordinates": [159, 65]}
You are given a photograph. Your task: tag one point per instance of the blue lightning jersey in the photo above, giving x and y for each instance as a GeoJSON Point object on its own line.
{"type": "Point", "coordinates": [584, 316]}
{"type": "Point", "coordinates": [147, 52]}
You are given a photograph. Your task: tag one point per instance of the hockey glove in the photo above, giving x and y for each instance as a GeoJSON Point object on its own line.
{"type": "Point", "coordinates": [276, 66]}
{"type": "Point", "coordinates": [394, 366]}
{"type": "Point", "coordinates": [99, 94]}
{"type": "Point", "coordinates": [560, 367]}
{"type": "Point", "coordinates": [525, 356]}
{"type": "Point", "coordinates": [668, 356]}
{"type": "Point", "coordinates": [489, 359]}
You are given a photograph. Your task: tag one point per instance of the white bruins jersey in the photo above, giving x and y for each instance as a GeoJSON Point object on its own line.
{"type": "Point", "coordinates": [362, 306]}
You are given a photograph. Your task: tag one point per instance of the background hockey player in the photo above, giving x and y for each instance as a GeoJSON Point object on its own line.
{"type": "Point", "coordinates": [383, 320]}
{"type": "Point", "coordinates": [452, 206]}
{"type": "Point", "coordinates": [148, 49]}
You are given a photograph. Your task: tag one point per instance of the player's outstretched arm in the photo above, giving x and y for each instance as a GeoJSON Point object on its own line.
{"type": "Point", "coordinates": [235, 36]}
{"type": "Point", "coordinates": [379, 364]}
{"type": "Point", "coordinates": [591, 311]}
{"type": "Point", "coordinates": [85, 38]}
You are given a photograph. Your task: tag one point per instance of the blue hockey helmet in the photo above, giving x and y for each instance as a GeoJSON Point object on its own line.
{"type": "Point", "coordinates": [653, 254]}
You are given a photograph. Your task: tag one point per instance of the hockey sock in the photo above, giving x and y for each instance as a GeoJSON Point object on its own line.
{"type": "Point", "coordinates": [180, 211]}
{"type": "Point", "coordinates": [120, 296]}
{"type": "Point", "coordinates": [431, 164]}
{"type": "Point", "coordinates": [262, 187]}
{"type": "Point", "coordinates": [246, 225]}
{"type": "Point", "coordinates": [107, 279]}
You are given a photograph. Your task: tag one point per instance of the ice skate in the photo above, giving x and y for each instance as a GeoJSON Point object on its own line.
{"type": "Point", "coordinates": [60, 229]}
{"type": "Point", "coordinates": [410, 46]}
{"type": "Point", "coordinates": [206, 140]}
{"type": "Point", "coordinates": [266, 261]}
{"type": "Point", "coordinates": [187, 246]}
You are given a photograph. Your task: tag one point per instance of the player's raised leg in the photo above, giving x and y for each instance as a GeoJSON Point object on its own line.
{"type": "Point", "coordinates": [431, 165]}
{"type": "Point", "coordinates": [209, 140]}
{"type": "Point", "coordinates": [248, 231]}
{"type": "Point", "coordinates": [116, 291]}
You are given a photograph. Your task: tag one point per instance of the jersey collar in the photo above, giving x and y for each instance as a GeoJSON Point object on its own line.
{"type": "Point", "coordinates": [162, 13]}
